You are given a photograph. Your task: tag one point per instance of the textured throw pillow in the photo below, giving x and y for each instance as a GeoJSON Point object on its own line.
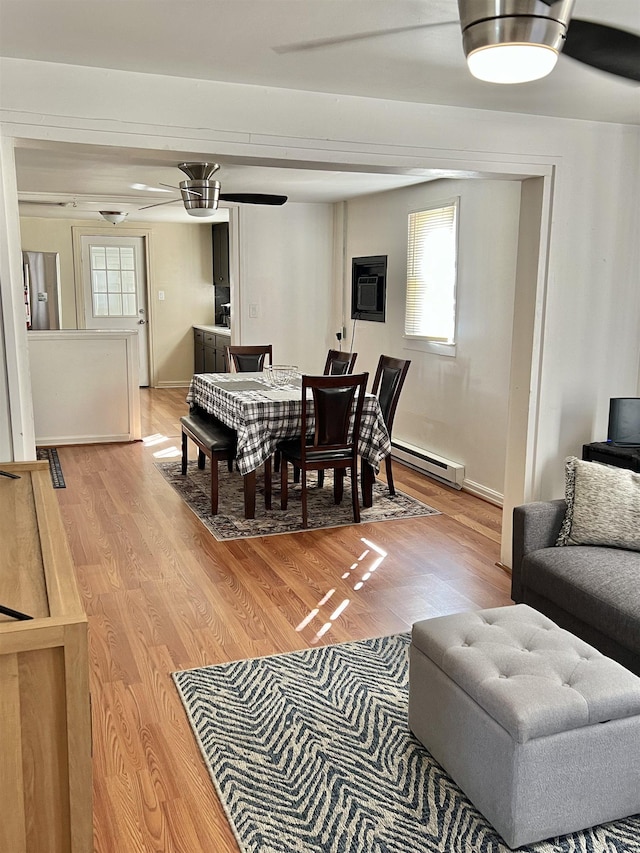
{"type": "Point", "coordinates": [603, 506]}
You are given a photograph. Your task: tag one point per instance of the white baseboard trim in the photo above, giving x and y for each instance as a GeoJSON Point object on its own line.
{"type": "Point", "coordinates": [181, 383]}
{"type": "Point", "coordinates": [480, 491]}
{"type": "Point", "coordinates": [56, 441]}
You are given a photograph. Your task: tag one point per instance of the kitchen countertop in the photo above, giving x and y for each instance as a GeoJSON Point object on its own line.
{"type": "Point", "coordinates": [218, 330]}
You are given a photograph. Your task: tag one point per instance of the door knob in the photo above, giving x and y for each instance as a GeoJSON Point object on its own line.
{"type": "Point", "coordinates": [141, 322]}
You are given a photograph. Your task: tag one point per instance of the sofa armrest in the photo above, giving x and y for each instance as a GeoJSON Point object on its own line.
{"type": "Point", "coordinates": [535, 525]}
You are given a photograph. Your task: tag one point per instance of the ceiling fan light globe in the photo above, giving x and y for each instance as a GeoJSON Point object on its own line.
{"type": "Point", "coordinates": [512, 63]}
{"type": "Point", "coordinates": [200, 211]}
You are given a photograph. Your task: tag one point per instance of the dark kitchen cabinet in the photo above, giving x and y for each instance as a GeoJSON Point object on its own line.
{"type": "Point", "coordinates": [210, 352]}
{"type": "Point", "coordinates": [220, 235]}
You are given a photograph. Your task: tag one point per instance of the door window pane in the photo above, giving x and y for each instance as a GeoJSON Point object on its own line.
{"type": "Point", "coordinates": [100, 305]}
{"type": "Point", "coordinates": [113, 272]}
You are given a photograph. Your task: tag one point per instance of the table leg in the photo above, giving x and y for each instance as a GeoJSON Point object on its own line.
{"type": "Point", "coordinates": [249, 481]}
{"type": "Point", "coordinates": [367, 479]}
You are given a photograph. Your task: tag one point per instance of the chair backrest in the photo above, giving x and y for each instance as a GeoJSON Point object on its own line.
{"type": "Point", "coordinates": [339, 363]}
{"type": "Point", "coordinates": [249, 359]}
{"type": "Point", "coordinates": [336, 405]}
{"type": "Point", "coordinates": [387, 384]}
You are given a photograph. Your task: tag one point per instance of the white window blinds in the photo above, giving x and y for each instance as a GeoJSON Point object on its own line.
{"type": "Point", "coordinates": [430, 310]}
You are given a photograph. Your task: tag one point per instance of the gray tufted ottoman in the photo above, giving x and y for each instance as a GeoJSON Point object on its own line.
{"type": "Point", "coordinates": [539, 729]}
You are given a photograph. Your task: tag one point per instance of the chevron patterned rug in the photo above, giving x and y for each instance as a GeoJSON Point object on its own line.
{"type": "Point", "coordinates": [310, 753]}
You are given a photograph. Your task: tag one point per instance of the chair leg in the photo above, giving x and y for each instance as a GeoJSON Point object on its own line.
{"type": "Point", "coordinates": [214, 486]}
{"type": "Point", "coordinates": [354, 494]}
{"type": "Point", "coordinates": [296, 474]}
{"type": "Point", "coordinates": [387, 465]}
{"type": "Point", "coordinates": [184, 453]}
{"type": "Point", "coordinates": [276, 461]}
{"type": "Point", "coordinates": [267, 483]}
{"type": "Point", "coordinates": [284, 486]}
{"type": "Point", "coordinates": [303, 486]}
{"type": "Point", "coordinates": [338, 485]}
{"type": "Point", "coordinates": [201, 459]}
{"type": "Point", "coordinates": [320, 479]}
{"type": "Point", "coordinates": [230, 463]}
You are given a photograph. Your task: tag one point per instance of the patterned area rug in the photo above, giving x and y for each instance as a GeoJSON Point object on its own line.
{"type": "Point", "coordinates": [50, 454]}
{"type": "Point", "coordinates": [230, 523]}
{"type": "Point", "coordinates": [310, 751]}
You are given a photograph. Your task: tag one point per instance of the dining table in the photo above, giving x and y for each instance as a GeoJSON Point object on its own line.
{"type": "Point", "coordinates": [264, 412]}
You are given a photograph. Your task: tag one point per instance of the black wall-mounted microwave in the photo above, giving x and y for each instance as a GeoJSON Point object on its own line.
{"type": "Point", "coordinates": [368, 288]}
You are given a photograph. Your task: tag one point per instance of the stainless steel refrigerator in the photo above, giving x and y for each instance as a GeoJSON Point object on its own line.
{"type": "Point", "coordinates": [41, 272]}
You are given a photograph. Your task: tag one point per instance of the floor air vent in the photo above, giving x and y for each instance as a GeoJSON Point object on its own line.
{"type": "Point", "coordinates": [451, 473]}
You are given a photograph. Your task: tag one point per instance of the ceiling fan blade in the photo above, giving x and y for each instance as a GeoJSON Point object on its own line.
{"type": "Point", "coordinates": [329, 42]}
{"type": "Point", "coordinates": [253, 198]}
{"type": "Point", "coordinates": [604, 47]}
{"type": "Point", "coordinates": [159, 204]}
{"type": "Point", "coordinates": [182, 189]}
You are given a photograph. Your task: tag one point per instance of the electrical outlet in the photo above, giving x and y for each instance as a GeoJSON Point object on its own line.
{"type": "Point", "coordinates": [161, 295]}
{"type": "Point", "coordinates": [253, 310]}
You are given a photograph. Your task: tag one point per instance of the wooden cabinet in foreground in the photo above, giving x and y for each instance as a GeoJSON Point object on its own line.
{"type": "Point", "coordinates": [45, 728]}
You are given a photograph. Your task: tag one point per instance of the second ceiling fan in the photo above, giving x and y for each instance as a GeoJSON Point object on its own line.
{"type": "Point", "coordinates": [201, 194]}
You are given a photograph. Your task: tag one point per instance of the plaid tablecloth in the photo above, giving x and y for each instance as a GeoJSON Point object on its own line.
{"type": "Point", "coordinates": [263, 415]}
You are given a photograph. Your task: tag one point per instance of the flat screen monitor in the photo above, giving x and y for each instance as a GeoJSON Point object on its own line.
{"type": "Point", "coordinates": [624, 422]}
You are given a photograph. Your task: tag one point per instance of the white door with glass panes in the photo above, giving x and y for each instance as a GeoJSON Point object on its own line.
{"type": "Point", "coordinates": [115, 289]}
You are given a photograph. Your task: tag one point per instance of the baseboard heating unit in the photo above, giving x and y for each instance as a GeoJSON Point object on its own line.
{"type": "Point", "coordinates": [451, 473]}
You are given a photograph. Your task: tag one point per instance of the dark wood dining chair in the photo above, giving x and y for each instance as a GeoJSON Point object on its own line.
{"type": "Point", "coordinates": [213, 439]}
{"type": "Point", "coordinates": [387, 385]}
{"type": "Point", "coordinates": [336, 408]}
{"type": "Point", "coordinates": [249, 359]}
{"type": "Point", "coordinates": [339, 363]}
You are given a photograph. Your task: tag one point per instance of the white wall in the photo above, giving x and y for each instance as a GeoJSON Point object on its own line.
{"type": "Point", "coordinates": [456, 407]}
{"type": "Point", "coordinates": [587, 302]}
{"type": "Point", "coordinates": [286, 256]}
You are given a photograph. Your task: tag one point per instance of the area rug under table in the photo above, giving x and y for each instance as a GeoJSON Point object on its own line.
{"type": "Point", "coordinates": [230, 523]}
{"type": "Point", "coordinates": [310, 753]}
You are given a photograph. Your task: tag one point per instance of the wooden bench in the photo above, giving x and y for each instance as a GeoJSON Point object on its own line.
{"type": "Point", "coordinates": [214, 440]}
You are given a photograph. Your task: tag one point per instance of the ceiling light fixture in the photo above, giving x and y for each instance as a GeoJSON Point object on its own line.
{"type": "Point", "coordinates": [513, 41]}
{"type": "Point", "coordinates": [115, 217]}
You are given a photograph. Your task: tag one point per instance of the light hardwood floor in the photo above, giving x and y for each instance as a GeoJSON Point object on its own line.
{"type": "Point", "coordinates": [162, 594]}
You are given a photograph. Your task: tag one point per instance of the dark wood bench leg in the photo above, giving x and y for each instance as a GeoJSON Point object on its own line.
{"type": "Point", "coordinates": [201, 459]}
{"type": "Point", "coordinates": [184, 453]}
{"type": "Point", "coordinates": [214, 486]}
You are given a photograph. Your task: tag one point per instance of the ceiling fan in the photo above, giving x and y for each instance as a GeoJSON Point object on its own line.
{"type": "Point", "coordinates": [514, 41]}
{"type": "Point", "coordinates": [201, 194]}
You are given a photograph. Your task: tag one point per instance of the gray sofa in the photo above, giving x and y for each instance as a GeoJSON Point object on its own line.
{"type": "Point", "coordinates": [592, 591]}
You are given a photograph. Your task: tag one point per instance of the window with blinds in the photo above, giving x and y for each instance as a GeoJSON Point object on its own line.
{"type": "Point", "coordinates": [430, 310]}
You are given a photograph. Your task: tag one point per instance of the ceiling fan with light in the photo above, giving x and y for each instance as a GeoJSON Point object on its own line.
{"type": "Point", "coordinates": [515, 41]}
{"type": "Point", "coordinates": [201, 194]}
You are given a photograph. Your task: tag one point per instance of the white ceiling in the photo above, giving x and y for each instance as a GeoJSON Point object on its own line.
{"type": "Point", "coordinates": [241, 41]}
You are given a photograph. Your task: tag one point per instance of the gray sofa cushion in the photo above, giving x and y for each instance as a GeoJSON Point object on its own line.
{"type": "Point", "coordinates": [603, 506]}
{"type": "Point", "coordinates": [601, 586]}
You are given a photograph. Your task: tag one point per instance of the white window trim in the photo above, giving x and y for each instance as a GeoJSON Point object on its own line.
{"type": "Point", "coordinates": [434, 347]}
{"type": "Point", "coordinates": [427, 345]}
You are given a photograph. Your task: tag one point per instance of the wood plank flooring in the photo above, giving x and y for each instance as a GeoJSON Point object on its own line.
{"type": "Point", "coordinates": [162, 594]}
